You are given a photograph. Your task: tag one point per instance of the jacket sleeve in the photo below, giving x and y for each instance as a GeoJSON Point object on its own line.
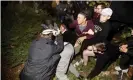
{"type": "Point", "coordinates": [130, 52]}
{"type": "Point", "coordinates": [60, 44]}
{"type": "Point", "coordinates": [104, 34]}
{"type": "Point", "coordinates": [130, 44]}
{"type": "Point", "coordinates": [100, 37]}
{"type": "Point", "coordinates": [130, 48]}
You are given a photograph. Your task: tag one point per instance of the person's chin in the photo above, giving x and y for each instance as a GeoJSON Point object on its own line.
{"type": "Point", "coordinates": [103, 21]}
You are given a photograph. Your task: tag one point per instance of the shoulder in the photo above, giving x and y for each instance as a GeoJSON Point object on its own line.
{"type": "Point", "coordinates": [90, 23]}
{"type": "Point", "coordinates": [75, 21]}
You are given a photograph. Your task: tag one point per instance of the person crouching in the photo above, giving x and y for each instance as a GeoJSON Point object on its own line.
{"type": "Point", "coordinates": [43, 57]}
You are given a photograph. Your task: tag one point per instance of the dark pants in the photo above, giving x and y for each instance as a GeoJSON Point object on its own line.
{"type": "Point", "coordinates": [105, 60]}
{"type": "Point", "coordinates": [86, 43]}
{"type": "Point", "coordinates": [125, 61]}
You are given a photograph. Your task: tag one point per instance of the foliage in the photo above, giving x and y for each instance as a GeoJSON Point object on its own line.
{"type": "Point", "coordinates": [122, 35]}
{"type": "Point", "coordinates": [93, 3]}
{"type": "Point", "coordinates": [20, 24]}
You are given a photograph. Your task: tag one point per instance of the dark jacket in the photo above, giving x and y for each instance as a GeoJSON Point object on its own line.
{"type": "Point", "coordinates": [42, 60]}
{"type": "Point", "coordinates": [90, 25]}
{"type": "Point", "coordinates": [130, 47]}
{"type": "Point", "coordinates": [101, 34]}
{"type": "Point", "coordinates": [96, 17]}
{"type": "Point", "coordinates": [70, 36]}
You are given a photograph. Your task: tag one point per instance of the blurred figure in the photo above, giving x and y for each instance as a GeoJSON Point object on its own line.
{"type": "Point", "coordinates": [83, 26]}
{"type": "Point", "coordinates": [102, 28]}
{"type": "Point", "coordinates": [97, 11]}
{"type": "Point", "coordinates": [43, 57]}
{"type": "Point", "coordinates": [66, 56]}
{"type": "Point", "coordinates": [111, 54]}
{"type": "Point", "coordinates": [93, 50]}
{"type": "Point", "coordinates": [126, 59]}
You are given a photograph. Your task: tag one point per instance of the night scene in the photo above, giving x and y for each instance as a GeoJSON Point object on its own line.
{"type": "Point", "coordinates": [67, 40]}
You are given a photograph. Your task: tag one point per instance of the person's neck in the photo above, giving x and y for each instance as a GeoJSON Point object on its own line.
{"type": "Point", "coordinates": [63, 31]}
{"type": "Point", "coordinates": [84, 23]}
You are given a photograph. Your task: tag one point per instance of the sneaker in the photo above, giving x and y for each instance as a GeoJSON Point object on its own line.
{"type": "Point", "coordinates": [120, 76]}
{"type": "Point", "coordinates": [125, 70]}
{"type": "Point", "coordinates": [117, 68]}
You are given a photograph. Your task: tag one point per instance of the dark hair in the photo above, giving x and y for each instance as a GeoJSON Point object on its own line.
{"type": "Point", "coordinates": [102, 5]}
{"type": "Point", "coordinates": [88, 13]}
{"type": "Point", "coordinates": [100, 47]}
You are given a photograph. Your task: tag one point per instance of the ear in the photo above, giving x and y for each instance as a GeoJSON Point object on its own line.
{"type": "Point", "coordinates": [85, 19]}
{"type": "Point", "coordinates": [108, 17]}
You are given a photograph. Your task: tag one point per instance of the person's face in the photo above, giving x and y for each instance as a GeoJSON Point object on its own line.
{"type": "Point", "coordinates": [104, 18]}
{"type": "Point", "coordinates": [62, 28]}
{"type": "Point", "coordinates": [81, 19]}
{"type": "Point", "coordinates": [99, 9]}
{"type": "Point", "coordinates": [95, 9]}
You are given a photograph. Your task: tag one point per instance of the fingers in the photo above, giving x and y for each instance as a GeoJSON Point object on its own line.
{"type": "Point", "coordinates": [89, 32]}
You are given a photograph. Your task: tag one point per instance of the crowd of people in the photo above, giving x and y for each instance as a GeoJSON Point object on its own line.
{"type": "Point", "coordinates": [51, 54]}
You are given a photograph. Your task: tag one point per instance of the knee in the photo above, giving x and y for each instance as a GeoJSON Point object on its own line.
{"type": "Point", "coordinates": [85, 53]}
{"type": "Point", "coordinates": [71, 50]}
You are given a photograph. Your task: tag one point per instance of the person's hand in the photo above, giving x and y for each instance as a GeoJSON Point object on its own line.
{"type": "Point", "coordinates": [79, 41]}
{"type": "Point", "coordinates": [89, 32]}
{"type": "Point", "coordinates": [56, 32]}
{"type": "Point", "coordinates": [81, 38]}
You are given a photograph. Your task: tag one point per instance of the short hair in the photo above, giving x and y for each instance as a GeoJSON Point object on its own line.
{"type": "Point", "coordinates": [102, 5]}
{"type": "Point", "coordinates": [88, 13]}
{"type": "Point", "coordinates": [100, 46]}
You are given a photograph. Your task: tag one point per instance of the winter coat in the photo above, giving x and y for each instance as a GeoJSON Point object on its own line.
{"type": "Point", "coordinates": [42, 60]}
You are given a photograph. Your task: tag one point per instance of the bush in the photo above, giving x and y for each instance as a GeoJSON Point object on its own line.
{"type": "Point", "coordinates": [20, 24]}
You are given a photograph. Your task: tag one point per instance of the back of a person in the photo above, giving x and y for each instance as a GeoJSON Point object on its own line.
{"type": "Point", "coordinates": [39, 48]}
{"type": "Point", "coordinates": [38, 60]}
{"type": "Point", "coordinates": [43, 56]}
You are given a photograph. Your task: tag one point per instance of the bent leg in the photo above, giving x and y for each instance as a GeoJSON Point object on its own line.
{"type": "Point", "coordinates": [63, 64]}
{"type": "Point", "coordinates": [86, 54]}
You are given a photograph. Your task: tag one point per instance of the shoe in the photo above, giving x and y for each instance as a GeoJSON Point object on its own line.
{"type": "Point", "coordinates": [120, 76]}
{"type": "Point", "coordinates": [117, 68]}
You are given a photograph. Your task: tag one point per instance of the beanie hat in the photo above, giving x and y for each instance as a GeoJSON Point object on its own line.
{"type": "Point", "coordinates": [107, 11]}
